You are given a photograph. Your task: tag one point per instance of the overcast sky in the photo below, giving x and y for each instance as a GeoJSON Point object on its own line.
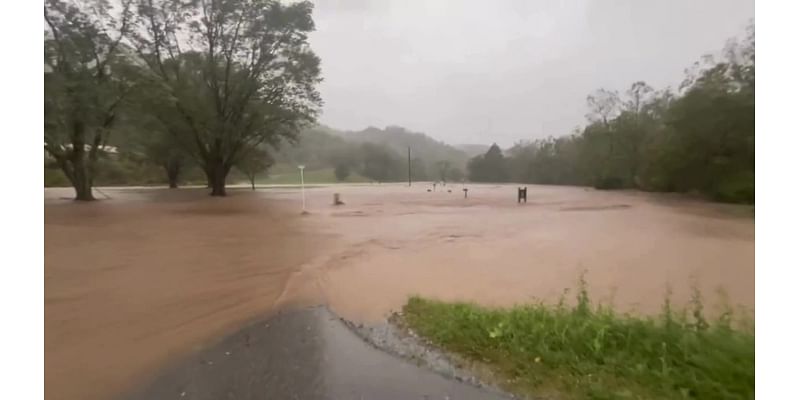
{"type": "Point", "coordinates": [505, 70]}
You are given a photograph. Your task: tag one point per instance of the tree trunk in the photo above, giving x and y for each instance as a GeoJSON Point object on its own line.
{"type": "Point", "coordinates": [76, 166]}
{"type": "Point", "coordinates": [81, 176]}
{"type": "Point", "coordinates": [172, 176]}
{"type": "Point", "coordinates": [220, 173]}
{"type": "Point", "coordinates": [83, 186]}
{"type": "Point", "coordinates": [173, 169]}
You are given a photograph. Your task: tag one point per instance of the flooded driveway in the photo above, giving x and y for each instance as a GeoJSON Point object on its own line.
{"type": "Point", "coordinates": [305, 354]}
{"type": "Point", "coordinates": [148, 277]}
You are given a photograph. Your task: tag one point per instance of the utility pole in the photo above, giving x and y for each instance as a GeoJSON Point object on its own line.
{"type": "Point", "coordinates": [409, 166]}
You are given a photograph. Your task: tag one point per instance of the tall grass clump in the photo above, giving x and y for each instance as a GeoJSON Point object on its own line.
{"type": "Point", "coordinates": [587, 351]}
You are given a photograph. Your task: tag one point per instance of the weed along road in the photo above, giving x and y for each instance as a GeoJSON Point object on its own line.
{"type": "Point", "coordinates": [147, 292]}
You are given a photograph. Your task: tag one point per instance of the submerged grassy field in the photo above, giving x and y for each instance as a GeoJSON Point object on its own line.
{"type": "Point", "coordinates": [591, 352]}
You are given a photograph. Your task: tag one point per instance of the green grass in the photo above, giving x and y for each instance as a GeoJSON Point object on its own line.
{"type": "Point", "coordinates": [591, 352]}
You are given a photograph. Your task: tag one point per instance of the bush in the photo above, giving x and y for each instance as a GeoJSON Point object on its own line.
{"type": "Point", "coordinates": [590, 352]}
{"type": "Point", "coordinates": [739, 188]}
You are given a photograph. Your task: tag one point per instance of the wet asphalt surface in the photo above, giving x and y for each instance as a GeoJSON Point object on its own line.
{"type": "Point", "coordinates": [304, 354]}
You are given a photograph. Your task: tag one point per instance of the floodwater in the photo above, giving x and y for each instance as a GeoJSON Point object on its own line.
{"type": "Point", "coordinates": [396, 241]}
{"type": "Point", "coordinates": [133, 282]}
{"type": "Point", "coordinates": [150, 276]}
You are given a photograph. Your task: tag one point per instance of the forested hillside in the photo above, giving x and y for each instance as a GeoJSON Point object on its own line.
{"type": "Point", "coordinates": [376, 154]}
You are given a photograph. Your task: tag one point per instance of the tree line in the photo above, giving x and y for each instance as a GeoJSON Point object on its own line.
{"type": "Point", "coordinates": [208, 84]}
{"type": "Point", "coordinates": [700, 138]}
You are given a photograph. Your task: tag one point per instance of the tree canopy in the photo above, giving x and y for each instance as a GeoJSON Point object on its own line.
{"type": "Point", "coordinates": [220, 77]}
{"type": "Point", "coordinates": [87, 78]}
{"type": "Point", "coordinates": [238, 73]}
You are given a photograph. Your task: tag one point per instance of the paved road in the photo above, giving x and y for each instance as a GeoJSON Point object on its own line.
{"type": "Point", "coordinates": [306, 354]}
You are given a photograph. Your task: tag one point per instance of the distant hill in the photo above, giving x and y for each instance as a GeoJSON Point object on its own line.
{"type": "Point", "coordinates": [321, 147]}
{"type": "Point", "coordinates": [315, 148]}
{"type": "Point", "coordinates": [422, 146]}
{"type": "Point", "coordinates": [473, 150]}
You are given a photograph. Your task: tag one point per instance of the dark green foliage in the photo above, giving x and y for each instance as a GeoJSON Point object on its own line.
{"type": "Point", "coordinates": [489, 167]}
{"type": "Point", "coordinates": [215, 81]}
{"type": "Point", "coordinates": [239, 74]}
{"type": "Point", "coordinates": [87, 78]}
{"type": "Point", "coordinates": [592, 352]}
{"type": "Point", "coordinates": [701, 139]}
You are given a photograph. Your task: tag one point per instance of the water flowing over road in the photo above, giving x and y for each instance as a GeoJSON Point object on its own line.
{"type": "Point", "coordinates": [138, 282]}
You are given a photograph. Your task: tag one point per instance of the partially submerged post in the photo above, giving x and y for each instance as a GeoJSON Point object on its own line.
{"type": "Point", "coordinates": [522, 195]}
{"type": "Point", "coordinates": [465, 192]}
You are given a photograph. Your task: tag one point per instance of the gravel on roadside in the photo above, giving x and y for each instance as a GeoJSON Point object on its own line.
{"type": "Point", "coordinates": [395, 338]}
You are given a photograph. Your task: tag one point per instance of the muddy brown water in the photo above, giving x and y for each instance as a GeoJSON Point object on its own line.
{"type": "Point", "coordinates": [150, 276]}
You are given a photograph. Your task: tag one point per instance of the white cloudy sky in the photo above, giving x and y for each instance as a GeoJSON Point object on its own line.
{"type": "Point", "coordinates": [504, 70]}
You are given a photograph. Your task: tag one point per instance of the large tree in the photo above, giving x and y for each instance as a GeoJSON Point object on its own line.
{"type": "Point", "coordinates": [87, 77]}
{"type": "Point", "coordinates": [237, 73]}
